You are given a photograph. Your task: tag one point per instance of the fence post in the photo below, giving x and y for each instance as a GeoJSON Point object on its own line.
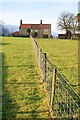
{"type": "Point", "coordinates": [44, 80]}
{"type": "Point", "coordinates": [36, 50]}
{"type": "Point", "coordinates": [39, 58]}
{"type": "Point", "coordinates": [53, 88]}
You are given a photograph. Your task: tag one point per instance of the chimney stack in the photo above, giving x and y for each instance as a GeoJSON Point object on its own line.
{"type": "Point", "coordinates": [40, 21]}
{"type": "Point", "coordinates": [20, 22]}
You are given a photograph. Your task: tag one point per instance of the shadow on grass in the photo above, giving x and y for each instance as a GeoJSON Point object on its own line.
{"type": "Point", "coordinates": [1, 43]}
{"type": "Point", "coordinates": [9, 106]}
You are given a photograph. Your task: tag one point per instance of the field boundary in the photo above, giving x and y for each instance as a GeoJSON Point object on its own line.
{"type": "Point", "coordinates": [62, 99]}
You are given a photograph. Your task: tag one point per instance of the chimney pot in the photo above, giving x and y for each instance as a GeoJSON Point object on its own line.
{"type": "Point", "coordinates": [40, 21]}
{"type": "Point", "coordinates": [20, 22]}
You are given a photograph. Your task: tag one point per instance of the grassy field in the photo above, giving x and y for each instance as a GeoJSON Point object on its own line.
{"type": "Point", "coordinates": [24, 95]}
{"type": "Point", "coordinates": [64, 54]}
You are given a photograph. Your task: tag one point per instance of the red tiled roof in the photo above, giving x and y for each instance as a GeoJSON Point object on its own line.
{"type": "Point", "coordinates": [35, 26]}
{"type": "Point", "coordinates": [24, 26]}
{"type": "Point", "coordinates": [15, 33]}
{"type": "Point", "coordinates": [46, 26]}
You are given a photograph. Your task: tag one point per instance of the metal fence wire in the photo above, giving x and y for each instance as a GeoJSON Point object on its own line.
{"type": "Point", "coordinates": [62, 99]}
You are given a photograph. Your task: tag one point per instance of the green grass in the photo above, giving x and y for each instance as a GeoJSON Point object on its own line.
{"type": "Point", "coordinates": [24, 95]}
{"type": "Point", "coordinates": [64, 55]}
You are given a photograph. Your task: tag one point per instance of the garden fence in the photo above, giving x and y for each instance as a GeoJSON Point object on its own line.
{"type": "Point", "coordinates": [62, 99]}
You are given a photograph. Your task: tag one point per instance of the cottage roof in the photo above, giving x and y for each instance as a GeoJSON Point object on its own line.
{"type": "Point", "coordinates": [35, 26]}
{"type": "Point", "coordinates": [15, 33]}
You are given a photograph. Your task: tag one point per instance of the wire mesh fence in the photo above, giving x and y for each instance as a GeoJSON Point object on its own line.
{"type": "Point", "coordinates": [62, 99]}
{"type": "Point", "coordinates": [66, 100]}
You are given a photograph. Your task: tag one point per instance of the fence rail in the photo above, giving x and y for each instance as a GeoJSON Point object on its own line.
{"type": "Point", "coordinates": [62, 99]}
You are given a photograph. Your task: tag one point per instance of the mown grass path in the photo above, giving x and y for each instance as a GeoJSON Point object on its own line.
{"type": "Point", "coordinates": [24, 95]}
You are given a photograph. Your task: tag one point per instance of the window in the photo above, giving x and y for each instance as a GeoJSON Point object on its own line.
{"type": "Point", "coordinates": [45, 36]}
{"type": "Point", "coordinates": [45, 30]}
{"type": "Point", "coordinates": [28, 30]}
{"type": "Point", "coordinates": [36, 30]}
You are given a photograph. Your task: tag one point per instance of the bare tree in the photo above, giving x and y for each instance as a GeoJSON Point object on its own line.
{"type": "Point", "coordinates": [66, 22]}
{"type": "Point", "coordinates": [1, 26]}
{"type": "Point", "coordinates": [3, 30]}
{"type": "Point", "coordinates": [2, 23]}
{"type": "Point", "coordinates": [78, 21]}
{"type": "Point", "coordinates": [78, 24]}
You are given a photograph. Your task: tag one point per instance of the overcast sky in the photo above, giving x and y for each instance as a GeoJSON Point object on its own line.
{"type": "Point", "coordinates": [33, 12]}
